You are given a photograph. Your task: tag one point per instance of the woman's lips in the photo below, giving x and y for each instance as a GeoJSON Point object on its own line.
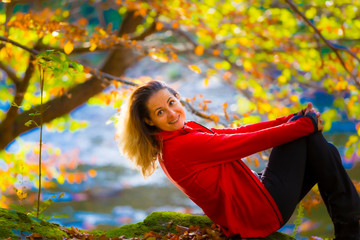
{"type": "Point", "coordinates": [173, 122]}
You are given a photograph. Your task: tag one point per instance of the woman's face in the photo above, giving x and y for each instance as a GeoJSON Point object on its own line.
{"type": "Point", "coordinates": [165, 111]}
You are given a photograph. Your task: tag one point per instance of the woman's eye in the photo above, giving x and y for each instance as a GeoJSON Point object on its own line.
{"type": "Point", "coordinates": [171, 102]}
{"type": "Point", "coordinates": [160, 112]}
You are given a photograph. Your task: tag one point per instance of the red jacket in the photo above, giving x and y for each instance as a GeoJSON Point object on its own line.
{"type": "Point", "coordinates": [206, 165]}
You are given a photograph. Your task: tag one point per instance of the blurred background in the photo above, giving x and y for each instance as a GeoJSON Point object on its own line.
{"type": "Point", "coordinates": [237, 62]}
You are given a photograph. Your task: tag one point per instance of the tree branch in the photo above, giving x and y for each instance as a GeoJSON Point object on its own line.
{"type": "Point", "coordinates": [150, 30]}
{"type": "Point", "coordinates": [10, 73]}
{"type": "Point", "coordinates": [129, 23]}
{"type": "Point", "coordinates": [333, 47]}
{"type": "Point", "coordinates": [114, 66]}
{"type": "Point", "coordinates": [93, 71]}
{"type": "Point", "coordinates": [32, 51]}
{"type": "Point", "coordinates": [9, 11]}
{"type": "Point", "coordinates": [19, 96]}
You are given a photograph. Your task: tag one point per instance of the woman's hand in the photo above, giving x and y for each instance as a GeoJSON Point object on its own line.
{"type": "Point", "coordinates": [310, 108]}
{"type": "Point", "coordinates": [320, 122]}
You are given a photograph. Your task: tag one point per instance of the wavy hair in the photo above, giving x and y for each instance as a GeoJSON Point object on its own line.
{"type": "Point", "coordinates": [136, 139]}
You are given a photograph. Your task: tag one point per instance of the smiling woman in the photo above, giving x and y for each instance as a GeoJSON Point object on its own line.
{"type": "Point", "coordinates": [165, 111]}
{"type": "Point", "coordinates": [150, 107]}
{"type": "Point", "coordinates": [206, 164]}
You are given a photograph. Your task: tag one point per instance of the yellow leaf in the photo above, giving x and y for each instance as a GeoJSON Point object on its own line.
{"type": "Point", "coordinates": [60, 179]}
{"type": "Point", "coordinates": [195, 69]}
{"type": "Point", "coordinates": [206, 82]}
{"type": "Point", "coordinates": [66, 14]}
{"type": "Point", "coordinates": [21, 194]}
{"type": "Point", "coordinates": [93, 47]}
{"type": "Point", "coordinates": [282, 79]}
{"type": "Point", "coordinates": [199, 50]}
{"type": "Point", "coordinates": [69, 47]}
{"type": "Point", "coordinates": [247, 65]}
{"type": "Point", "coordinates": [159, 26]}
{"type": "Point", "coordinates": [218, 65]}
{"type": "Point", "coordinates": [352, 139]}
{"type": "Point", "coordinates": [294, 98]}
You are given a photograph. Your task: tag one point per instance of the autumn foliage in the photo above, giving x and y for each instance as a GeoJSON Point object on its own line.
{"type": "Point", "coordinates": [272, 52]}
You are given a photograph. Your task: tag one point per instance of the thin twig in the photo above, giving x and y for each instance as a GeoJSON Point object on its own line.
{"type": "Point", "coordinates": [42, 77]}
{"type": "Point", "coordinates": [327, 42]}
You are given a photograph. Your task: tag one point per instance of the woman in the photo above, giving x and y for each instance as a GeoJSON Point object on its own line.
{"type": "Point", "coordinates": [206, 164]}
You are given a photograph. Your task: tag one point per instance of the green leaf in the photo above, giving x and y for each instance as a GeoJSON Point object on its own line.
{"type": "Point", "coordinates": [18, 208]}
{"type": "Point", "coordinates": [28, 123]}
{"type": "Point", "coordinates": [34, 114]}
{"type": "Point", "coordinates": [14, 105]}
{"type": "Point", "coordinates": [60, 216]}
{"type": "Point", "coordinates": [349, 152]}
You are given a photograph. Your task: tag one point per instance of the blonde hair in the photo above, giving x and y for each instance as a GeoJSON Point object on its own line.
{"type": "Point", "coordinates": [136, 139]}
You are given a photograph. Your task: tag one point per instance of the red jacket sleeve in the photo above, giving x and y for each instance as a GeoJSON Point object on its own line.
{"type": "Point", "coordinates": [253, 127]}
{"type": "Point", "coordinates": [201, 150]}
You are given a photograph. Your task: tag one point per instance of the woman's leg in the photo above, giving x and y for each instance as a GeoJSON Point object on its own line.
{"type": "Point", "coordinates": [343, 202]}
{"type": "Point", "coordinates": [286, 176]}
{"type": "Point", "coordinates": [295, 167]}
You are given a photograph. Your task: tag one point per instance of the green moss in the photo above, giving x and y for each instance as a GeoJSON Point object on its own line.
{"type": "Point", "coordinates": [6, 233]}
{"type": "Point", "coordinates": [12, 220]}
{"type": "Point", "coordinates": [130, 230]}
{"type": "Point", "coordinates": [159, 222]}
{"type": "Point", "coordinates": [97, 233]}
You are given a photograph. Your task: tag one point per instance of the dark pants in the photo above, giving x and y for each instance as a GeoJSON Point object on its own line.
{"type": "Point", "coordinates": [294, 168]}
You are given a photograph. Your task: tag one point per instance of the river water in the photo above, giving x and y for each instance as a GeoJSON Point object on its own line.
{"type": "Point", "coordinates": [119, 194]}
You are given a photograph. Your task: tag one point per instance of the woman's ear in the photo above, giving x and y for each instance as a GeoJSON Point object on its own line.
{"type": "Point", "coordinates": [149, 122]}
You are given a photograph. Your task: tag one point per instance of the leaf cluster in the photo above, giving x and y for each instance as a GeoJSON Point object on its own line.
{"type": "Point", "coordinates": [58, 63]}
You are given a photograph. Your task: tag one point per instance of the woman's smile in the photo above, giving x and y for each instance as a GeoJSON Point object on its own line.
{"type": "Point", "coordinates": [176, 120]}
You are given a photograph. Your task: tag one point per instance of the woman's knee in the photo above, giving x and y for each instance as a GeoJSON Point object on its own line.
{"type": "Point", "coordinates": [316, 139]}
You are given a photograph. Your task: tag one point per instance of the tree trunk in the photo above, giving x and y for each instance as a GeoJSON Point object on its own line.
{"type": "Point", "coordinates": [116, 64]}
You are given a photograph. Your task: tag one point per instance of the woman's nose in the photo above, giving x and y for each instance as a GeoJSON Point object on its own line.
{"type": "Point", "coordinates": [171, 113]}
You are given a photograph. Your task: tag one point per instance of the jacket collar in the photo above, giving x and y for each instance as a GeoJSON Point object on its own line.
{"type": "Point", "coordinates": [188, 127]}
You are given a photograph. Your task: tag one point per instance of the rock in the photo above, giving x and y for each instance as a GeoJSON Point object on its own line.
{"type": "Point", "coordinates": [15, 224]}
{"type": "Point", "coordinates": [159, 222]}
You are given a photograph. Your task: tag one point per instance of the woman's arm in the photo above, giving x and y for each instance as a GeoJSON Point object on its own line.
{"type": "Point", "coordinates": [201, 150]}
{"type": "Point", "coordinates": [253, 127]}
{"type": "Point", "coordinates": [266, 124]}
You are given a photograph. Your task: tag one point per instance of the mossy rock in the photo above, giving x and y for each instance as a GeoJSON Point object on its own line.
{"type": "Point", "coordinates": [159, 222]}
{"type": "Point", "coordinates": [13, 223]}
